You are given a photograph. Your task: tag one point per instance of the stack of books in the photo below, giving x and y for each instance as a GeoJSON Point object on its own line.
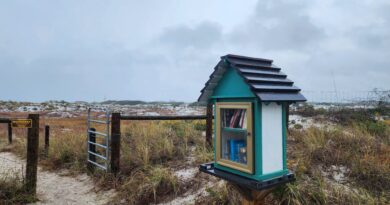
{"type": "Point", "coordinates": [234, 118]}
{"type": "Point", "coordinates": [237, 150]}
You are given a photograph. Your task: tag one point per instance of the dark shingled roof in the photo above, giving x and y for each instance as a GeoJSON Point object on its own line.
{"type": "Point", "coordinates": [266, 80]}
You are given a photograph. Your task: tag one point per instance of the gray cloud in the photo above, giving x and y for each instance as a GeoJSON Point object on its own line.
{"type": "Point", "coordinates": [317, 42]}
{"type": "Point", "coordinates": [166, 51]}
{"type": "Point", "coordinates": [278, 25]}
{"type": "Point", "coordinates": [202, 36]}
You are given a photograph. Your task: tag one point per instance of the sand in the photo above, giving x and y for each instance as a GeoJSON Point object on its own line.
{"type": "Point", "coordinates": [52, 188]}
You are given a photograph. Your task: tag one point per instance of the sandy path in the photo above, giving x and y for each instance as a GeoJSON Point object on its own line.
{"type": "Point", "coordinates": [53, 188]}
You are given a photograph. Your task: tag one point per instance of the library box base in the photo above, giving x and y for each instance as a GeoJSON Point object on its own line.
{"type": "Point", "coordinates": [245, 182]}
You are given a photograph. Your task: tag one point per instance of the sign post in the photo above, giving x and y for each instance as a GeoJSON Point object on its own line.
{"type": "Point", "coordinates": [32, 152]}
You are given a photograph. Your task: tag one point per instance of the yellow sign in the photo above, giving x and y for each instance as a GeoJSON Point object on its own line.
{"type": "Point", "coordinates": [21, 123]}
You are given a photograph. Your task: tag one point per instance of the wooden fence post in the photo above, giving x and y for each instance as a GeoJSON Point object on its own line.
{"type": "Point", "coordinates": [47, 142]}
{"type": "Point", "coordinates": [115, 142]}
{"type": "Point", "coordinates": [209, 125]}
{"type": "Point", "coordinates": [10, 133]}
{"type": "Point", "coordinates": [32, 155]}
{"type": "Point", "coordinates": [92, 148]}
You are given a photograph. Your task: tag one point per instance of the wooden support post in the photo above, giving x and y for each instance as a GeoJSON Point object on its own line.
{"type": "Point", "coordinates": [9, 133]}
{"type": "Point", "coordinates": [115, 142]}
{"type": "Point", "coordinates": [47, 142]}
{"type": "Point", "coordinates": [92, 148]}
{"type": "Point", "coordinates": [209, 125]}
{"type": "Point", "coordinates": [32, 155]}
{"type": "Point", "coordinates": [251, 197]}
{"type": "Point", "coordinates": [257, 198]}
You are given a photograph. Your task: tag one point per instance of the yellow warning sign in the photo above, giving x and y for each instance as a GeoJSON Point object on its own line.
{"type": "Point", "coordinates": [21, 123]}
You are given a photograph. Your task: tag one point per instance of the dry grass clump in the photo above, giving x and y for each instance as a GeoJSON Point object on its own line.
{"type": "Point", "coordinates": [19, 147]}
{"type": "Point", "coordinates": [203, 153]}
{"type": "Point", "coordinates": [11, 183]}
{"type": "Point", "coordinates": [318, 190]}
{"type": "Point", "coordinates": [218, 195]}
{"type": "Point", "coordinates": [365, 155]}
{"type": "Point", "coordinates": [221, 193]}
{"type": "Point", "coordinates": [149, 143]}
{"type": "Point", "coordinates": [147, 185]}
{"type": "Point", "coordinates": [3, 143]}
{"type": "Point", "coordinates": [150, 151]}
{"type": "Point", "coordinates": [67, 151]}
{"type": "Point", "coordinates": [12, 190]}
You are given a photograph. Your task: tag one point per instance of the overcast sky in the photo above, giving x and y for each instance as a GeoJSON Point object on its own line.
{"type": "Point", "coordinates": [166, 50]}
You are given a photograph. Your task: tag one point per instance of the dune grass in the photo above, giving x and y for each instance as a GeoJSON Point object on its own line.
{"type": "Point", "coordinates": [358, 153]}
{"type": "Point", "coordinates": [152, 151]}
{"type": "Point", "coordinates": [364, 154]}
{"type": "Point", "coordinates": [11, 182]}
{"type": "Point", "coordinates": [13, 192]}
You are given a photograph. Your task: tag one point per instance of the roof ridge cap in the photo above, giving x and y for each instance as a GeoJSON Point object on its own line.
{"type": "Point", "coordinates": [247, 57]}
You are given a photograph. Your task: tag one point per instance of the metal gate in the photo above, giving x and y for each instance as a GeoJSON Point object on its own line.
{"type": "Point", "coordinates": [98, 142]}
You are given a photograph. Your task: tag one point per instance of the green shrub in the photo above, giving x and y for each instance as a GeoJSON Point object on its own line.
{"type": "Point", "coordinates": [377, 128]}
{"type": "Point", "coordinates": [200, 125]}
{"type": "Point", "coordinates": [298, 126]}
{"type": "Point", "coordinates": [307, 110]}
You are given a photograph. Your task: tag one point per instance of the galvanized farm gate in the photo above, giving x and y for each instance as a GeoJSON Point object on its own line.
{"type": "Point", "coordinates": [98, 142]}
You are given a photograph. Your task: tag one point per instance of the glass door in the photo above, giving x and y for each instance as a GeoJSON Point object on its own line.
{"type": "Point", "coordinates": [234, 135]}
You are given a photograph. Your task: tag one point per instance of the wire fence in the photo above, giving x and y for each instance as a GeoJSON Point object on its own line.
{"type": "Point", "coordinates": [11, 167]}
{"type": "Point", "coordinates": [355, 97]}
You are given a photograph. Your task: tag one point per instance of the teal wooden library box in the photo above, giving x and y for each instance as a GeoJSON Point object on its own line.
{"type": "Point", "coordinates": [250, 97]}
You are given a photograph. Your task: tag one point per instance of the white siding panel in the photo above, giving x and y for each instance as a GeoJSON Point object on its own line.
{"type": "Point", "coordinates": [272, 137]}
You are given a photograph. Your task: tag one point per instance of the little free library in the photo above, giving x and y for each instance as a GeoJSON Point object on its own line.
{"type": "Point", "coordinates": [250, 97]}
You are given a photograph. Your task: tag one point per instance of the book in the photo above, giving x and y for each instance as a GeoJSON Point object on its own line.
{"type": "Point", "coordinates": [244, 123]}
{"type": "Point", "coordinates": [234, 118]}
{"type": "Point", "coordinates": [243, 115]}
{"type": "Point", "coordinates": [235, 147]}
